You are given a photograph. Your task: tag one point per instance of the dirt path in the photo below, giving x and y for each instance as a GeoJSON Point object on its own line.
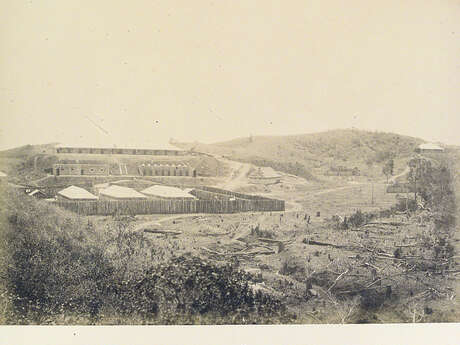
{"type": "Point", "coordinates": [162, 219]}
{"type": "Point", "coordinates": [238, 176]}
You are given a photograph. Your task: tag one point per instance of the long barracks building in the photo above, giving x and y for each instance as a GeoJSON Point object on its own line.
{"type": "Point", "coordinates": [120, 151]}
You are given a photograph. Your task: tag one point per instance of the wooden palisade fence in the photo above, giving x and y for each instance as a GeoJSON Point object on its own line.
{"type": "Point", "coordinates": [133, 207]}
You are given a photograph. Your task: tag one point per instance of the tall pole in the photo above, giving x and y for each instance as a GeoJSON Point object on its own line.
{"type": "Point", "coordinates": [407, 197]}
{"type": "Point", "coordinates": [417, 170]}
{"type": "Point", "coordinates": [372, 193]}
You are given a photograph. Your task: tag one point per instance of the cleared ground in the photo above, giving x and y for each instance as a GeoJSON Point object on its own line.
{"type": "Point", "coordinates": [287, 250]}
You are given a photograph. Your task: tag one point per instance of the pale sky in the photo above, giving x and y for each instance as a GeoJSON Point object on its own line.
{"type": "Point", "coordinates": [145, 71]}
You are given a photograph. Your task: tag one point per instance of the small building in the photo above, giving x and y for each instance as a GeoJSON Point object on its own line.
{"type": "Point", "coordinates": [167, 192]}
{"type": "Point", "coordinates": [429, 148]}
{"type": "Point", "coordinates": [38, 194]}
{"type": "Point", "coordinates": [166, 169]}
{"type": "Point", "coordinates": [76, 194]}
{"type": "Point", "coordinates": [65, 169]}
{"type": "Point", "coordinates": [121, 193]}
{"type": "Point", "coordinates": [402, 187]}
{"type": "Point", "coordinates": [341, 170]}
{"type": "Point", "coordinates": [265, 175]}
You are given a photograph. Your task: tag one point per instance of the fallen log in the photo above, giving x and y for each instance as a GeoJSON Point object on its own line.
{"type": "Point", "coordinates": [165, 232]}
{"type": "Point", "coordinates": [215, 234]}
{"type": "Point", "coordinates": [380, 253]}
{"type": "Point", "coordinates": [212, 251]}
{"type": "Point", "coordinates": [260, 252]}
{"type": "Point", "coordinates": [269, 240]}
{"type": "Point", "coordinates": [388, 258]}
{"type": "Point", "coordinates": [317, 243]}
{"type": "Point", "coordinates": [386, 223]}
{"type": "Point", "coordinates": [240, 253]}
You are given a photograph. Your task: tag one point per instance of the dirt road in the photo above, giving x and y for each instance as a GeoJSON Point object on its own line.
{"type": "Point", "coordinates": [238, 175]}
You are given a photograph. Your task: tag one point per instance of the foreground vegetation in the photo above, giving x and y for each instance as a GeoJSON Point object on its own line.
{"type": "Point", "coordinates": [58, 269]}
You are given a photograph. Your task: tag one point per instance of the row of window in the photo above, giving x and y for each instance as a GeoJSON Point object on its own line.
{"type": "Point", "coordinates": [82, 170]}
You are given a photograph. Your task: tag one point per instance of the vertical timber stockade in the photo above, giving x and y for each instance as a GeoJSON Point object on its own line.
{"type": "Point", "coordinates": [237, 203]}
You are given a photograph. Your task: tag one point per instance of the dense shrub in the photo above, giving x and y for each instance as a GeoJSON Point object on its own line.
{"type": "Point", "coordinates": [292, 266]}
{"type": "Point", "coordinates": [51, 264]}
{"type": "Point", "coordinates": [357, 219]}
{"type": "Point", "coordinates": [405, 204]}
{"type": "Point", "coordinates": [257, 231]}
{"type": "Point", "coordinates": [190, 286]}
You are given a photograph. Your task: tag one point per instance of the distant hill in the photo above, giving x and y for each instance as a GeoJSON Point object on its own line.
{"type": "Point", "coordinates": [27, 151]}
{"type": "Point", "coordinates": [310, 155]}
{"type": "Point", "coordinates": [20, 162]}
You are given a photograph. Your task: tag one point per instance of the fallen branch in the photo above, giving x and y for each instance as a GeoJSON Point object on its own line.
{"type": "Point", "coordinates": [255, 246]}
{"type": "Point", "coordinates": [371, 285]}
{"type": "Point", "coordinates": [257, 253]}
{"type": "Point", "coordinates": [240, 253]}
{"type": "Point", "coordinates": [422, 294]}
{"type": "Point", "coordinates": [337, 279]}
{"type": "Point", "coordinates": [373, 266]}
{"type": "Point", "coordinates": [165, 232]}
{"type": "Point", "coordinates": [388, 258]}
{"type": "Point", "coordinates": [269, 240]}
{"type": "Point", "coordinates": [212, 251]}
{"type": "Point", "coordinates": [214, 234]}
{"type": "Point", "coordinates": [386, 223]}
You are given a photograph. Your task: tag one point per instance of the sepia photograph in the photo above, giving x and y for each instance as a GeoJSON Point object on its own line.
{"type": "Point", "coordinates": [229, 163]}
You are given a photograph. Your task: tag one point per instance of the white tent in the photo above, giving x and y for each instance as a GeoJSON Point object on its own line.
{"type": "Point", "coordinates": [119, 192]}
{"type": "Point", "coordinates": [167, 192]}
{"type": "Point", "coordinates": [76, 193]}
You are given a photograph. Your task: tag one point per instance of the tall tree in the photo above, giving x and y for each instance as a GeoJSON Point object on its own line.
{"type": "Point", "coordinates": [420, 176]}
{"type": "Point", "coordinates": [388, 168]}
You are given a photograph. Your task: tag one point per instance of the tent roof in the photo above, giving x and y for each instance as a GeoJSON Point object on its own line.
{"type": "Point", "coordinates": [121, 192]}
{"type": "Point", "coordinates": [167, 192]}
{"type": "Point", "coordinates": [74, 192]}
